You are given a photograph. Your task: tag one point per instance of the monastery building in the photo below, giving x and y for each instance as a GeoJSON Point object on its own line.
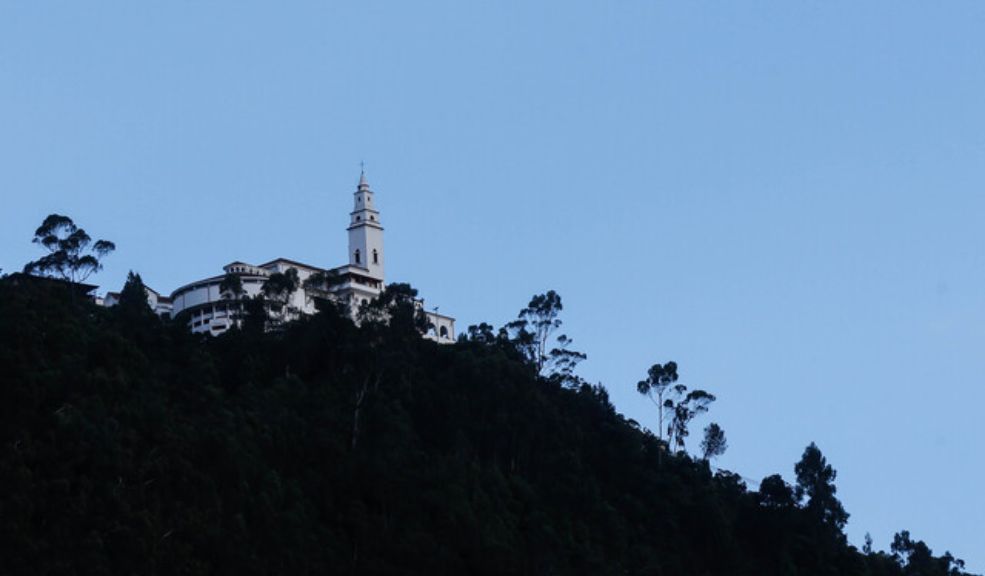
{"type": "Point", "coordinates": [211, 309]}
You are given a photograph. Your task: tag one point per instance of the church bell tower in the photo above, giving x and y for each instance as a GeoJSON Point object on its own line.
{"type": "Point", "coordinates": [366, 232]}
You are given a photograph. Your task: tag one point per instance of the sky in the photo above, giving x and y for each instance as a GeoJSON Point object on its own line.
{"type": "Point", "coordinates": [785, 198]}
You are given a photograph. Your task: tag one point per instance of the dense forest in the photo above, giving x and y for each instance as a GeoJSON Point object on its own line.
{"type": "Point", "coordinates": [130, 446]}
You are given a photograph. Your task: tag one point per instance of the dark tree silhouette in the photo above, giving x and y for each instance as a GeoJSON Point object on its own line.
{"type": "Point", "coordinates": [532, 333]}
{"type": "Point", "coordinates": [72, 256]}
{"type": "Point", "coordinates": [685, 409]}
{"type": "Point", "coordinates": [714, 443]}
{"type": "Point", "coordinates": [278, 290]}
{"type": "Point", "coordinates": [231, 287]}
{"type": "Point", "coordinates": [484, 333]}
{"type": "Point", "coordinates": [133, 296]}
{"type": "Point", "coordinates": [815, 481]}
{"type": "Point", "coordinates": [918, 559]}
{"type": "Point", "coordinates": [331, 446]}
{"type": "Point", "coordinates": [775, 493]}
{"type": "Point", "coordinates": [534, 325]}
{"type": "Point", "coordinates": [659, 378]}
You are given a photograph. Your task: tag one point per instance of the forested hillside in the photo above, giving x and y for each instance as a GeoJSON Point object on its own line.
{"type": "Point", "coordinates": [129, 446]}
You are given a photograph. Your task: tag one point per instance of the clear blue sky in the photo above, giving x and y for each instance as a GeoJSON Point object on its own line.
{"type": "Point", "coordinates": [784, 197]}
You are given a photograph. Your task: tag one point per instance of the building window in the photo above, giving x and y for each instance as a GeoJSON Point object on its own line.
{"type": "Point", "coordinates": [359, 218]}
{"type": "Point", "coordinates": [443, 332]}
{"type": "Point", "coordinates": [376, 257]}
{"type": "Point", "coordinates": [373, 218]}
{"type": "Point", "coordinates": [357, 257]}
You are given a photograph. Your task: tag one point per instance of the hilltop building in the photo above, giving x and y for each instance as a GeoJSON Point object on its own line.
{"type": "Point", "coordinates": [210, 309]}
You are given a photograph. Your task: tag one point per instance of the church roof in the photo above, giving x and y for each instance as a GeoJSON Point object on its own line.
{"type": "Point", "coordinates": [292, 262]}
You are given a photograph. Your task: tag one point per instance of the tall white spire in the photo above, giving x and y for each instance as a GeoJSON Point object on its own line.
{"type": "Point", "coordinates": [365, 231]}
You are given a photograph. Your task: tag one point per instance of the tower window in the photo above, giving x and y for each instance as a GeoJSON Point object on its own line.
{"type": "Point", "coordinates": [359, 218]}
{"type": "Point", "coordinates": [376, 257]}
{"type": "Point", "coordinates": [357, 257]}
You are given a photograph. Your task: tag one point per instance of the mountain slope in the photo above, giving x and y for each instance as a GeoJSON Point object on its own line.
{"type": "Point", "coordinates": [128, 446]}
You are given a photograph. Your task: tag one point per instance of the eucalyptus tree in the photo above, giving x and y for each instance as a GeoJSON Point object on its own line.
{"type": "Point", "coordinates": [534, 326]}
{"type": "Point", "coordinates": [684, 407]}
{"type": "Point", "coordinates": [659, 378]}
{"type": "Point", "coordinates": [72, 255]}
{"type": "Point", "coordinates": [532, 333]}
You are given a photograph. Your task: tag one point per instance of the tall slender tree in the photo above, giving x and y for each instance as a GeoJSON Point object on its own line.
{"type": "Point", "coordinates": [686, 407]}
{"type": "Point", "coordinates": [532, 334]}
{"type": "Point", "coordinates": [659, 378]}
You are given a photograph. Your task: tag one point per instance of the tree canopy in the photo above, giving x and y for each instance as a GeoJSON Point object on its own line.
{"type": "Point", "coordinates": [815, 481]}
{"type": "Point", "coordinates": [327, 447]}
{"type": "Point", "coordinates": [72, 256]}
{"type": "Point", "coordinates": [714, 443]}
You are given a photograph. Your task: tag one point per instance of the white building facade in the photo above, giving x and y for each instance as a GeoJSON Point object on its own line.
{"type": "Point", "coordinates": [214, 305]}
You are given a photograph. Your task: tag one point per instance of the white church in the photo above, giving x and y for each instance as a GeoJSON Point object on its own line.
{"type": "Point", "coordinates": [211, 310]}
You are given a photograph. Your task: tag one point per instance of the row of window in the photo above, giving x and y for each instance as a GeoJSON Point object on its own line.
{"type": "Point", "coordinates": [215, 310]}
{"type": "Point", "coordinates": [215, 327]}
